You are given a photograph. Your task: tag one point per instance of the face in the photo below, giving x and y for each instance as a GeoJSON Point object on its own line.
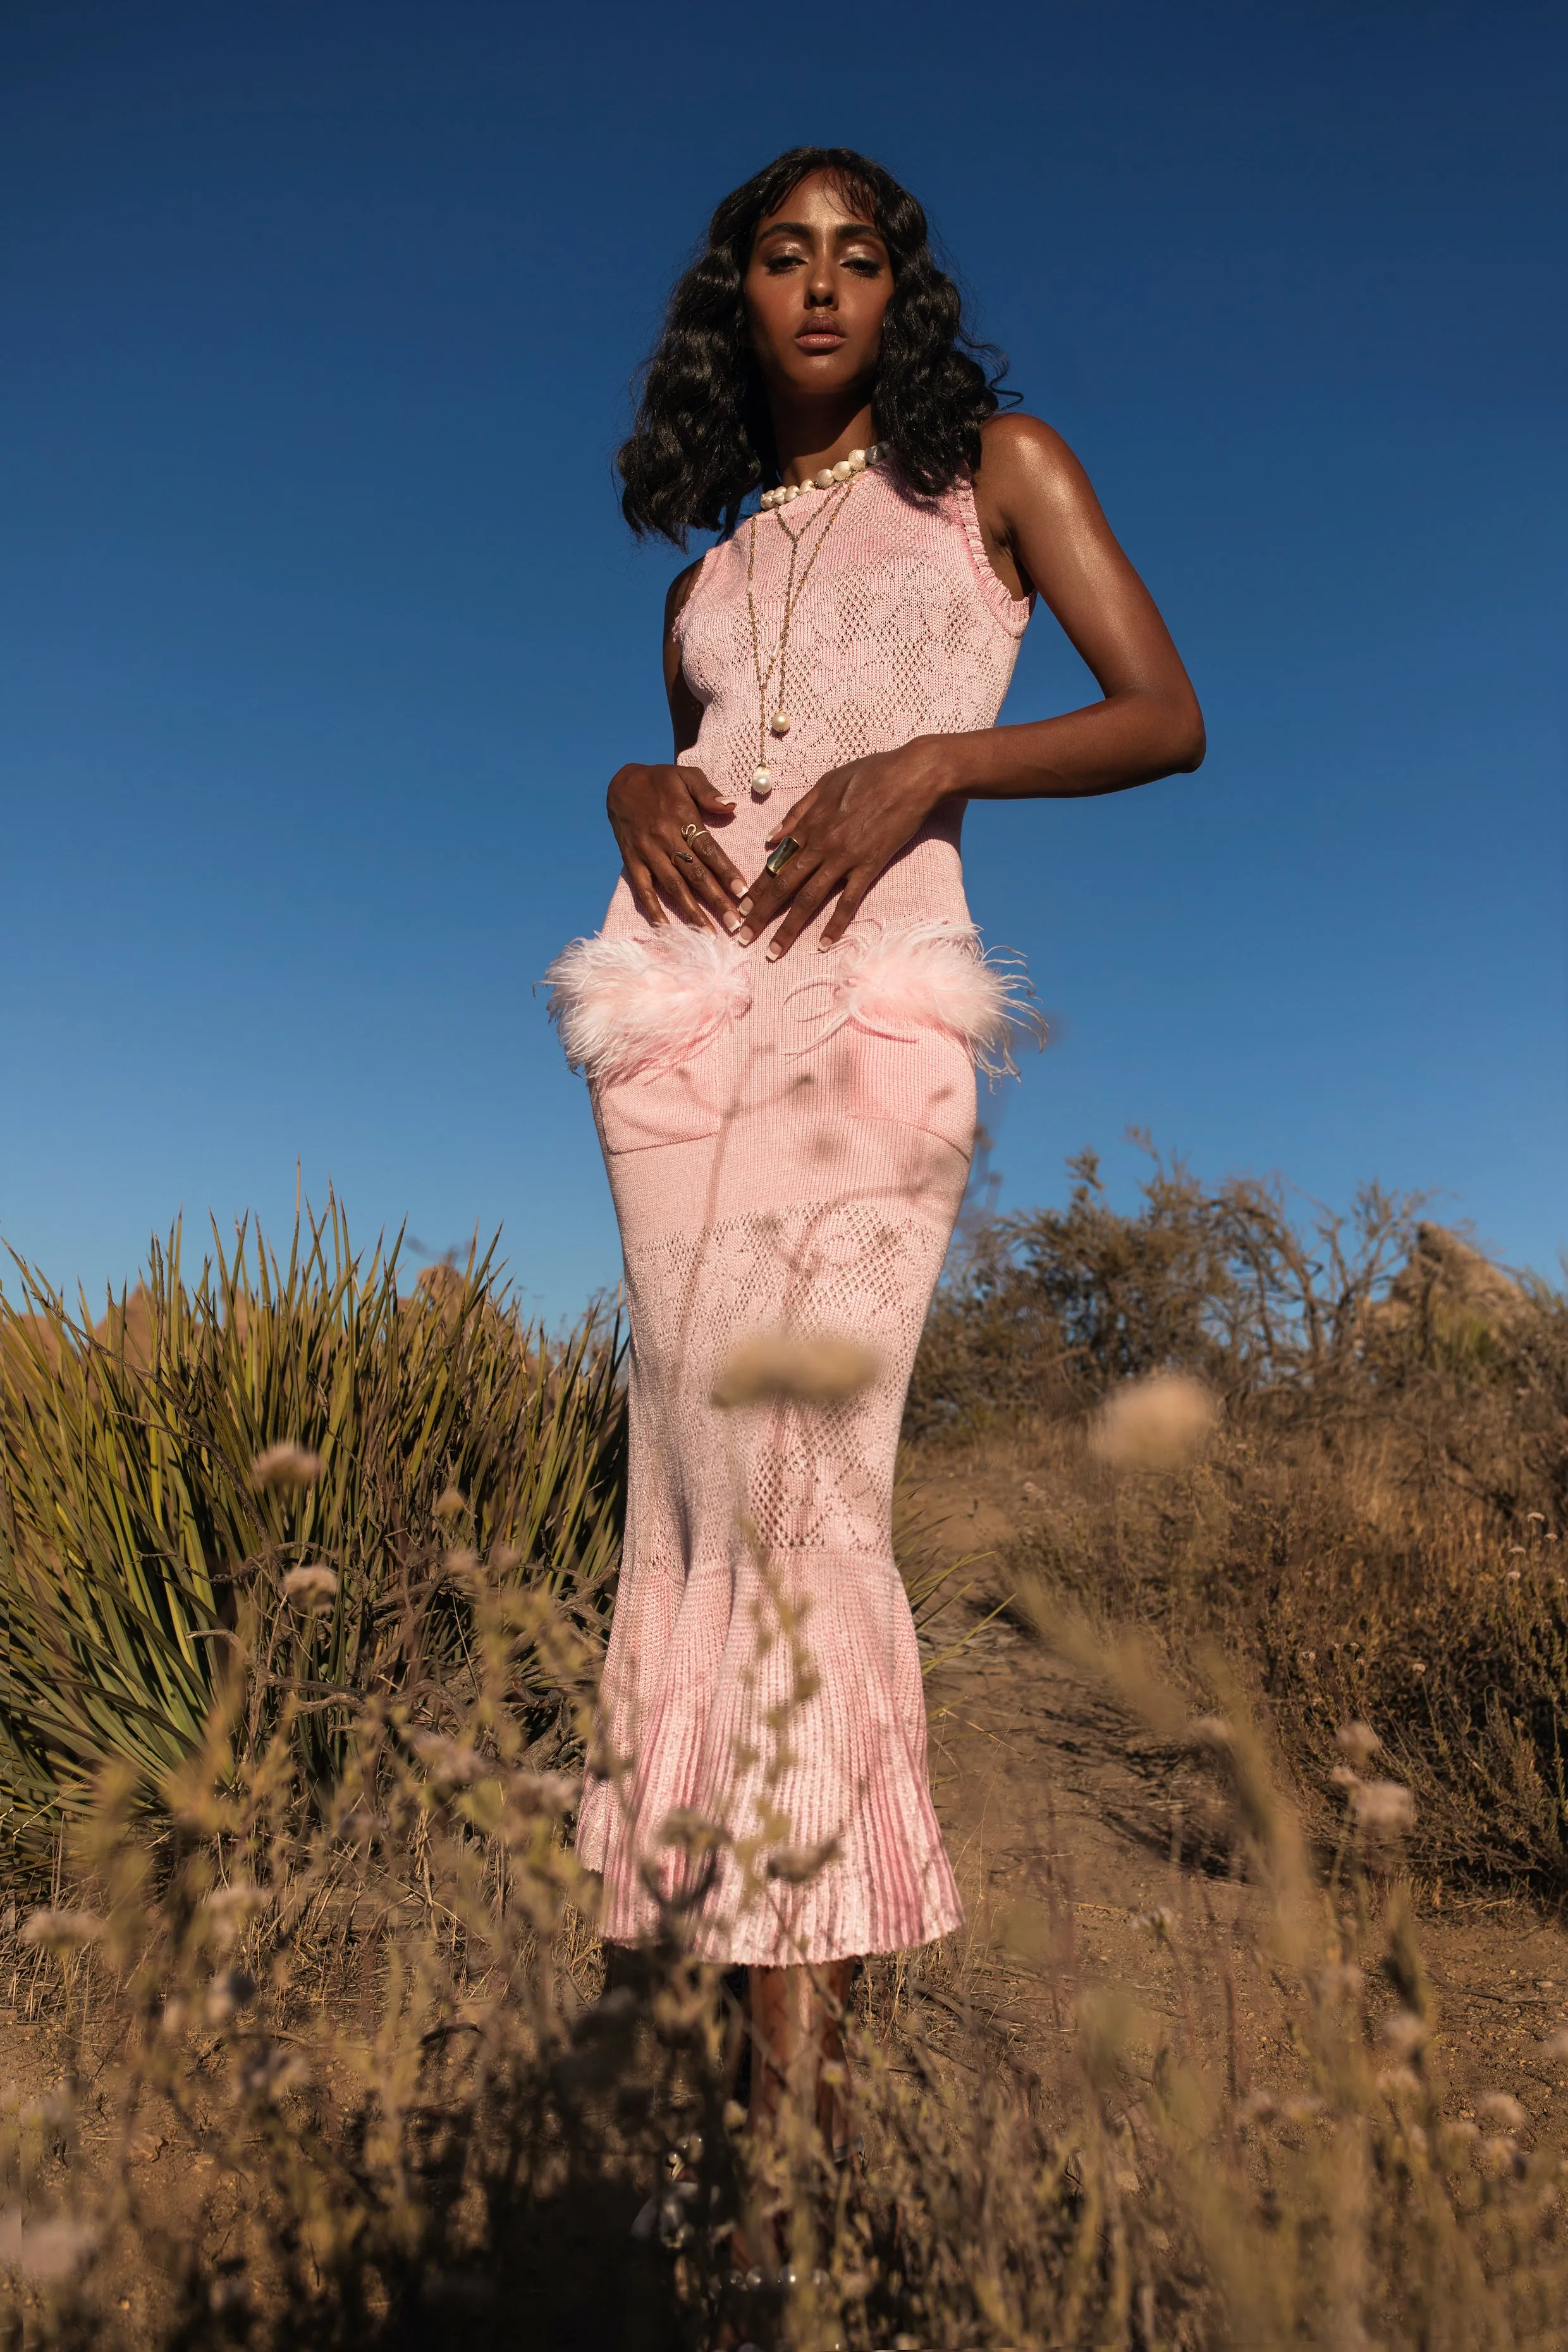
{"type": "Point", "coordinates": [816, 290]}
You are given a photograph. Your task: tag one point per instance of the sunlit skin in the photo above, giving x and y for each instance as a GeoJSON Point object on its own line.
{"type": "Point", "coordinates": [815, 290]}
{"type": "Point", "coordinates": [816, 287]}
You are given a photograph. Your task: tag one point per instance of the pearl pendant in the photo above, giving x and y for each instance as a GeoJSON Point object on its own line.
{"type": "Point", "coordinates": [761, 781]}
{"type": "Point", "coordinates": [779, 723]}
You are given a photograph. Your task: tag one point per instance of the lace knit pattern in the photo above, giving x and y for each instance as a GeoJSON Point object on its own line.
{"type": "Point", "coordinates": [762, 1677]}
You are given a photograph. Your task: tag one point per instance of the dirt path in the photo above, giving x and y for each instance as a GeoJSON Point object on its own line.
{"type": "Point", "coordinates": [1050, 1799]}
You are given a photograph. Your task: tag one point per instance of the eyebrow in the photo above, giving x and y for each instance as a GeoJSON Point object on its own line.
{"type": "Point", "coordinates": [803, 228]}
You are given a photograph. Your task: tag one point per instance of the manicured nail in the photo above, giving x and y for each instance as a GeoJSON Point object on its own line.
{"type": "Point", "coordinates": [774, 952]}
{"type": "Point", "coordinates": [823, 946]}
{"type": "Point", "coordinates": [732, 922]}
{"type": "Point", "coordinates": [744, 937]}
{"type": "Point", "coordinates": [738, 886]}
{"type": "Point", "coordinates": [745, 908]}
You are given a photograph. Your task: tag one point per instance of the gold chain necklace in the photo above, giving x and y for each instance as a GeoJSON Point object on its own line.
{"type": "Point", "coordinates": [836, 489]}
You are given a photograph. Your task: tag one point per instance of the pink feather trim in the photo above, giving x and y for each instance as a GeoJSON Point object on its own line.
{"type": "Point", "coordinates": [895, 979]}
{"type": "Point", "coordinates": [624, 1005]}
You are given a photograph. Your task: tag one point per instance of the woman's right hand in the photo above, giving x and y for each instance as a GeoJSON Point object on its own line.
{"type": "Point", "coordinates": [660, 817]}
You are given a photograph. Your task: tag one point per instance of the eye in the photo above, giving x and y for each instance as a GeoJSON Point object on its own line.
{"type": "Point", "coordinates": [864, 264]}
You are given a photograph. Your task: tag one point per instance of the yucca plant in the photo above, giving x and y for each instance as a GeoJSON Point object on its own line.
{"type": "Point", "coordinates": [136, 1533]}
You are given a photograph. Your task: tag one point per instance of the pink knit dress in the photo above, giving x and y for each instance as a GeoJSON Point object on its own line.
{"type": "Point", "coordinates": [787, 1146]}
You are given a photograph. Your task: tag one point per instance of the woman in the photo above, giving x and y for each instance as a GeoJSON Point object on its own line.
{"type": "Point", "coordinates": [781, 1022]}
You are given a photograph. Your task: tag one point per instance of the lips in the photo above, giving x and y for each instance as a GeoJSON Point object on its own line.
{"type": "Point", "coordinates": [820, 339]}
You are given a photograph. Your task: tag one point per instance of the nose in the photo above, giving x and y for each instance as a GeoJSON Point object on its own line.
{"type": "Point", "coordinates": [821, 292]}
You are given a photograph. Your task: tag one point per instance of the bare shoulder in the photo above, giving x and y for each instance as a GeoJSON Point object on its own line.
{"type": "Point", "coordinates": [1023, 458]}
{"type": "Point", "coordinates": [680, 592]}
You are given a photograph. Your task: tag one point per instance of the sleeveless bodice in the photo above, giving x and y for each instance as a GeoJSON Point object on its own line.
{"type": "Point", "coordinates": [902, 629]}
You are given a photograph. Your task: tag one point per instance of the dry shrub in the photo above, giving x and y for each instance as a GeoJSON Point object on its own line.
{"type": "Point", "coordinates": [1375, 1526]}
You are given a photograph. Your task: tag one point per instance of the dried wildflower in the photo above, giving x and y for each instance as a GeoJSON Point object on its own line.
{"type": "Point", "coordinates": [1556, 2047]}
{"type": "Point", "coordinates": [798, 1866]}
{"type": "Point", "coordinates": [267, 2071]}
{"type": "Point", "coordinates": [774, 1368]}
{"type": "Point", "coordinates": [555, 1793]}
{"type": "Point", "coordinates": [46, 2252]}
{"type": "Point", "coordinates": [1157, 1424]}
{"type": "Point", "coordinates": [1500, 2109]}
{"type": "Point", "coordinates": [1399, 2082]}
{"type": "Point", "coordinates": [1257, 2108]}
{"type": "Point", "coordinates": [227, 1909]}
{"type": "Point", "coordinates": [51, 2113]}
{"type": "Point", "coordinates": [1404, 2032]}
{"type": "Point", "coordinates": [1304, 2108]}
{"type": "Point", "coordinates": [284, 1466]}
{"type": "Point", "coordinates": [61, 1930]}
{"type": "Point", "coordinates": [227, 1995]}
{"type": "Point", "coordinates": [450, 1504]}
{"type": "Point", "coordinates": [1211, 1732]}
{"type": "Point", "coordinates": [688, 1832]}
{"type": "Point", "coordinates": [313, 1587]}
{"type": "Point", "coordinates": [1160, 1922]}
{"type": "Point", "coordinates": [1384, 1807]}
{"type": "Point", "coordinates": [1357, 1740]}
{"type": "Point", "coordinates": [1342, 1980]}
{"type": "Point", "coordinates": [1501, 2155]}
{"type": "Point", "coordinates": [236, 1902]}
{"type": "Point", "coordinates": [450, 1760]}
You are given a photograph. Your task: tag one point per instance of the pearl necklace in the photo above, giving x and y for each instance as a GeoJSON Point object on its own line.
{"type": "Point", "coordinates": [855, 463]}
{"type": "Point", "coordinates": [837, 480]}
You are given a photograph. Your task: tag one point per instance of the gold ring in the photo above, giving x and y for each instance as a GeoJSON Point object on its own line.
{"type": "Point", "coordinates": [783, 854]}
{"type": "Point", "coordinates": [692, 833]}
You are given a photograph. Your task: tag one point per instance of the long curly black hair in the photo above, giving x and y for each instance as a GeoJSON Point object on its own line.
{"type": "Point", "coordinates": [703, 436]}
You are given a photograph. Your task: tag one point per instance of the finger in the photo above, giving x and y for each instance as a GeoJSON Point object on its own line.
{"type": "Point", "coordinates": [673, 888]}
{"type": "Point", "coordinates": [770, 893]}
{"type": "Point", "coordinates": [727, 878]}
{"type": "Point", "coordinates": [809, 901]}
{"type": "Point", "coordinates": [775, 890]}
{"type": "Point", "coordinates": [645, 894]}
{"type": "Point", "coordinates": [850, 903]}
{"type": "Point", "coordinates": [803, 809]}
{"type": "Point", "coordinates": [705, 884]}
{"type": "Point", "coordinates": [708, 797]}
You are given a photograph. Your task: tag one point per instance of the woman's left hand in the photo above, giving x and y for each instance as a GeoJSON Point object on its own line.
{"type": "Point", "coordinates": [850, 826]}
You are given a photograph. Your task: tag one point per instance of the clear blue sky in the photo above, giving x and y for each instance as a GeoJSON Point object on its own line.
{"type": "Point", "coordinates": [320, 633]}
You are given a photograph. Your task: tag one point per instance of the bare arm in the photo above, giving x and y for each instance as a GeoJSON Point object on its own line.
{"type": "Point", "coordinates": [1044, 528]}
